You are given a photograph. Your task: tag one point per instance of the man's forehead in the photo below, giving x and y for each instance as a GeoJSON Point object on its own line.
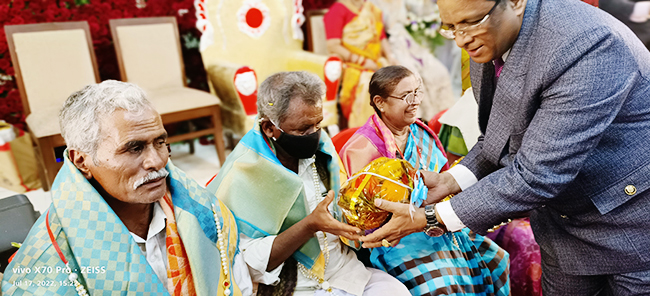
{"type": "Point", "coordinates": [133, 125]}
{"type": "Point", "coordinates": [458, 11]}
{"type": "Point", "coordinates": [299, 109]}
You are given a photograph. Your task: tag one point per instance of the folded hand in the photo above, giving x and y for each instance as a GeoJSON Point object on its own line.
{"type": "Point", "coordinates": [322, 220]}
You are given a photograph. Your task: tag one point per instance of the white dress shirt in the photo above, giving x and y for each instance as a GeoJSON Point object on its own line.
{"type": "Point", "coordinates": [155, 250]}
{"type": "Point", "coordinates": [344, 271]}
{"type": "Point", "coordinates": [155, 244]}
{"type": "Point", "coordinates": [465, 178]}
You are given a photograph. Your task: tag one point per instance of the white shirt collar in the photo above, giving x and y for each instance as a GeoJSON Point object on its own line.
{"type": "Point", "coordinates": [505, 55]}
{"type": "Point", "coordinates": [158, 224]}
{"type": "Point", "coordinates": [304, 164]}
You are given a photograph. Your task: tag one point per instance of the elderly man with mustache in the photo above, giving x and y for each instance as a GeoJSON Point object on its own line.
{"type": "Point", "coordinates": [123, 219]}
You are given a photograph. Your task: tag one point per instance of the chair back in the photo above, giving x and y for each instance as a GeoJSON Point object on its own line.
{"type": "Point", "coordinates": [435, 124]}
{"type": "Point", "coordinates": [149, 51]}
{"type": "Point", "coordinates": [245, 81]}
{"type": "Point", "coordinates": [257, 34]}
{"type": "Point", "coordinates": [341, 138]}
{"type": "Point", "coordinates": [17, 216]}
{"type": "Point", "coordinates": [316, 39]}
{"type": "Point", "coordinates": [51, 61]}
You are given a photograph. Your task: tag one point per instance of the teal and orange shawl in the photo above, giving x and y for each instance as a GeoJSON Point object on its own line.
{"type": "Point", "coordinates": [102, 252]}
{"type": "Point", "coordinates": [266, 197]}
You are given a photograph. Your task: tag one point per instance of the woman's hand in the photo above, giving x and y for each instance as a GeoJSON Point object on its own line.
{"type": "Point", "coordinates": [440, 186]}
{"type": "Point", "coordinates": [370, 65]}
{"type": "Point", "coordinates": [321, 220]}
{"type": "Point", "coordinates": [399, 226]}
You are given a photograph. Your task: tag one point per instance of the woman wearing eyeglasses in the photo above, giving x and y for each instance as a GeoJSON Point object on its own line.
{"type": "Point", "coordinates": [451, 263]}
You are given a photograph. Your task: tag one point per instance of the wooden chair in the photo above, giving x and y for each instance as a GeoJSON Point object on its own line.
{"type": "Point", "coordinates": [434, 123]}
{"type": "Point", "coordinates": [51, 61]}
{"type": "Point", "coordinates": [317, 43]}
{"type": "Point", "coordinates": [316, 39]}
{"type": "Point", "coordinates": [149, 55]}
{"type": "Point", "coordinates": [237, 87]}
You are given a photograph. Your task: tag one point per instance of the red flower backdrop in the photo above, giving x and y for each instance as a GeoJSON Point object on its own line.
{"type": "Point", "coordinates": [97, 13]}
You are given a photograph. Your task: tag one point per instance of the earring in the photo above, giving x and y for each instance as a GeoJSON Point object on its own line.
{"type": "Point", "coordinates": [381, 109]}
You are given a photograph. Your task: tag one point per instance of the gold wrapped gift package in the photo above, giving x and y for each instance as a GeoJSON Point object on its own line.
{"type": "Point", "coordinates": [385, 178]}
{"type": "Point", "coordinates": [18, 167]}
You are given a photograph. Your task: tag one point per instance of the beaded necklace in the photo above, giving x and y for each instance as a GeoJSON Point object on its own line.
{"type": "Point", "coordinates": [222, 252]}
{"type": "Point", "coordinates": [322, 283]}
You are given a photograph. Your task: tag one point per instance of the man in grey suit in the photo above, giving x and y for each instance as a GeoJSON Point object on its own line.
{"type": "Point", "coordinates": [563, 91]}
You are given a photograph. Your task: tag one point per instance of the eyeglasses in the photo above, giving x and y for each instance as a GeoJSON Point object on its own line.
{"type": "Point", "coordinates": [412, 98]}
{"type": "Point", "coordinates": [465, 28]}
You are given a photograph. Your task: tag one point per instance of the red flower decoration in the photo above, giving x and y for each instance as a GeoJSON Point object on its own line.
{"type": "Point", "coordinates": [18, 4]}
{"type": "Point", "coordinates": [4, 13]}
{"type": "Point", "coordinates": [9, 71]}
{"type": "Point", "coordinates": [4, 64]}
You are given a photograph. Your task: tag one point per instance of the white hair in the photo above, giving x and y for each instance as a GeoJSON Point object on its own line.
{"type": "Point", "coordinates": [83, 111]}
{"type": "Point", "coordinates": [277, 91]}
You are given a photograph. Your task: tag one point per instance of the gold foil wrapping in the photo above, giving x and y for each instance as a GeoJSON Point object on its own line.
{"type": "Point", "coordinates": [385, 178]}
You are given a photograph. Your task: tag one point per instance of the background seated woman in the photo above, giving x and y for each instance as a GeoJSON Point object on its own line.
{"type": "Point", "coordinates": [355, 33]}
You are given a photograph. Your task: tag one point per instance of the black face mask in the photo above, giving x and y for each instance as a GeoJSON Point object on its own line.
{"type": "Point", "coordinates": [299, 146]}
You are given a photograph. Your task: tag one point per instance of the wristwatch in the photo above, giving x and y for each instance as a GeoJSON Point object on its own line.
{"type": "Point", "coordinates": [433, 228]}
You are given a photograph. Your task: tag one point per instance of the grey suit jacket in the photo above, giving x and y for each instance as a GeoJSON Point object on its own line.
{"type": "Point", "coordinates": [564, 131]}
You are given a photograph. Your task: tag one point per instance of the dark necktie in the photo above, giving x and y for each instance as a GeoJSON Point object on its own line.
{"type": "Point", "coordinates": [485, 106]}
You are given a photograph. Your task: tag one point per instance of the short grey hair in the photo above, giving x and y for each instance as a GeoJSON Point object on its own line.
{"type": "Point", "coordinates": [82, 112]}
{"type": "Point", "coordinates": [277, 91]}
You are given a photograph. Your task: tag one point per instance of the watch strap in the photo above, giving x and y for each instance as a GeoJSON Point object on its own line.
{"type": "Point", "coordinates": [430, 213]}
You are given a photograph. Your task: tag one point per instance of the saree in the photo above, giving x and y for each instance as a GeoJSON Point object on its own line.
{"type": "Point", "coordinates": [82, 228]}
{"type": "Point", "coordinates": [453, 264]}
{"type": "Point", "coordinates": [266, 197]}
{"type": "Point", "coordinates": [525, 258]}
{"type": "Point", "coordinates": [361, 36]}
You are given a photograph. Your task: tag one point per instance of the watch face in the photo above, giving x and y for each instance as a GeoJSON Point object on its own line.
{"type": "Point", "coordinates": [434, 231]}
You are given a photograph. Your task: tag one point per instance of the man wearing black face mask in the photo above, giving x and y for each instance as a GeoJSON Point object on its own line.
{"type": "Point", "coordinates": [298, 146]}
{"type": "Point", "coordinates": [280, 182]}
